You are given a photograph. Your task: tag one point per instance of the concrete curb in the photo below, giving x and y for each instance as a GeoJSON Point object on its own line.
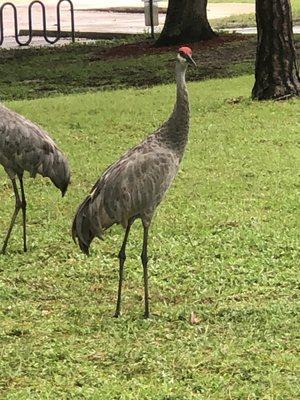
{"type": "Point", "coordinates": [123, 10]}
{"type": "Point", "coordinates": [79, 35]}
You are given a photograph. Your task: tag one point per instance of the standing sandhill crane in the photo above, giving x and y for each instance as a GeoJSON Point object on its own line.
{"type": "Point", "coordinates": [134, 185]}
{"type": "Point", "coordinates": [24, 146]}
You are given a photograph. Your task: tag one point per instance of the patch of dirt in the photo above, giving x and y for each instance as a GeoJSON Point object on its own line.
{"type": "Point", "coordinates": [146, 47]}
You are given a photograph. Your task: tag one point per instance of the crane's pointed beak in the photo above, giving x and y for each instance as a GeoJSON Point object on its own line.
{"type": "Point", "coordinates": [191, 61]}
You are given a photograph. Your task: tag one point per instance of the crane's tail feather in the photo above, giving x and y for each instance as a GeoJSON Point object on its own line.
{"type": "Point", "coordinates": [86, 225]}
{"type": "Point", "coordinates": [80, 228]}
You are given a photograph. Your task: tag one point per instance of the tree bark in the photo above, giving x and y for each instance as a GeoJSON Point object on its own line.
{"type": "Point", "coordinates": [276, 71]}
{"type": "Point", "coordinates": [186, 21]}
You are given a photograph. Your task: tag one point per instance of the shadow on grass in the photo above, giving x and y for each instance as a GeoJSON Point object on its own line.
{"type": "Point", "coordinates": [109, 65]}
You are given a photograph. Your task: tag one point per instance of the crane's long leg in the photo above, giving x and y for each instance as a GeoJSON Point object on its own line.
{"type": "Point", "coordinates": [122, 258]}
{"type": "Point", "coordinates": [23, 207]}
{"type": "Point", "coordinates": [14, 216]}
{"type": "Point", "coordinates": [144, 257]}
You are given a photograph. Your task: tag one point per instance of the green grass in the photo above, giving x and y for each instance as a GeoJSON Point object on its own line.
{"type": "Point", "coordinates": [33, 73]}
{"type": "Point", "coordinates": [247, 20]}
{"type": "Point", "coordinates": [44, 72]}
{"type": "Point", "coordinates": [234, 21]}
{"type": "Point", "coordinates": [224, 245]}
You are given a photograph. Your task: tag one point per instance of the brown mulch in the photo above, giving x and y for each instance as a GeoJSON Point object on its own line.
{"type": "Point", "coordinates": [145, 47]}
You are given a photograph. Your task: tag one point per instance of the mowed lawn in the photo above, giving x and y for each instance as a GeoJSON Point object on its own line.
{"type": "Point", "coordinates": [224, 246]}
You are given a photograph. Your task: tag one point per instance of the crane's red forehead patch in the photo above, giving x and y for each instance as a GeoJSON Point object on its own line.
{"type": "Point", "coordinates": [186, 50]}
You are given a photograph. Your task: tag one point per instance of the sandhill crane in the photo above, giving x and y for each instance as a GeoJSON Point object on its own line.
{"type": "Point", "coordinates": [24, 146]}
{"type": "Point", "coordinates": [134, 185]}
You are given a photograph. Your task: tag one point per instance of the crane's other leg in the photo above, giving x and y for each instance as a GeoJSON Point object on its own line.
{"type": "Point", "coordinates": [144, 257]}
{"type": "Point", "coordinates": [14, 216]}
{"type": "Point", "coordinates": [122, 258]}
{"type": "Point", "coordinates": [23, 207]}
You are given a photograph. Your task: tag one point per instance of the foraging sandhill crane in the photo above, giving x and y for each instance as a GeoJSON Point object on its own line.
{"type": "Point", "coordinates": [24, 146]}
{"type": "Point", "coordinates": [134, 185]}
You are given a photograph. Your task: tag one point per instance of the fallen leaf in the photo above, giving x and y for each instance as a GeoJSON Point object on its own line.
{"type": "Point", "coordinates": [194, 320]}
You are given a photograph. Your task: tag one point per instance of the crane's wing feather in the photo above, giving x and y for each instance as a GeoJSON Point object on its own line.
{"type": "Point", "coordinates": [131, 187]}
{"type": "Point", "coordinates": [137, 182]}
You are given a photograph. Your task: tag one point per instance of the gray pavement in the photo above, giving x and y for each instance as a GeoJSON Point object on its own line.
{"type": "Point", "coordinates": [85, 21]}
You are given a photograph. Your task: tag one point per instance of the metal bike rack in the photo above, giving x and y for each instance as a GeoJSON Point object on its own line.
{"type": "Point", "coordinates": [59, 33]}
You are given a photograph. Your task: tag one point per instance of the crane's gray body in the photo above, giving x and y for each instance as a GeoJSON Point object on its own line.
{"type": "Point", "coordinates": [133, 186]}
{"type": "Point", "coordinates": [24, 146]}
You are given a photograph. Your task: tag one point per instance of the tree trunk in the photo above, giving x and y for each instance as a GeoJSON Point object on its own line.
{"type": "Point", "coordinates": [186, 21]}
{"type": "Point", "coordinates": [276, 72]}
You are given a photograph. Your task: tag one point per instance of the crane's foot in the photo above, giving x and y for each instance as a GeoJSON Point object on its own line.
{"type": "Point", "coordinates": [117, 314]}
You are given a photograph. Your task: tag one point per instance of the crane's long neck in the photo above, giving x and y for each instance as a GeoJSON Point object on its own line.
{"type": "Point", "coordinates": [176, 128]}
